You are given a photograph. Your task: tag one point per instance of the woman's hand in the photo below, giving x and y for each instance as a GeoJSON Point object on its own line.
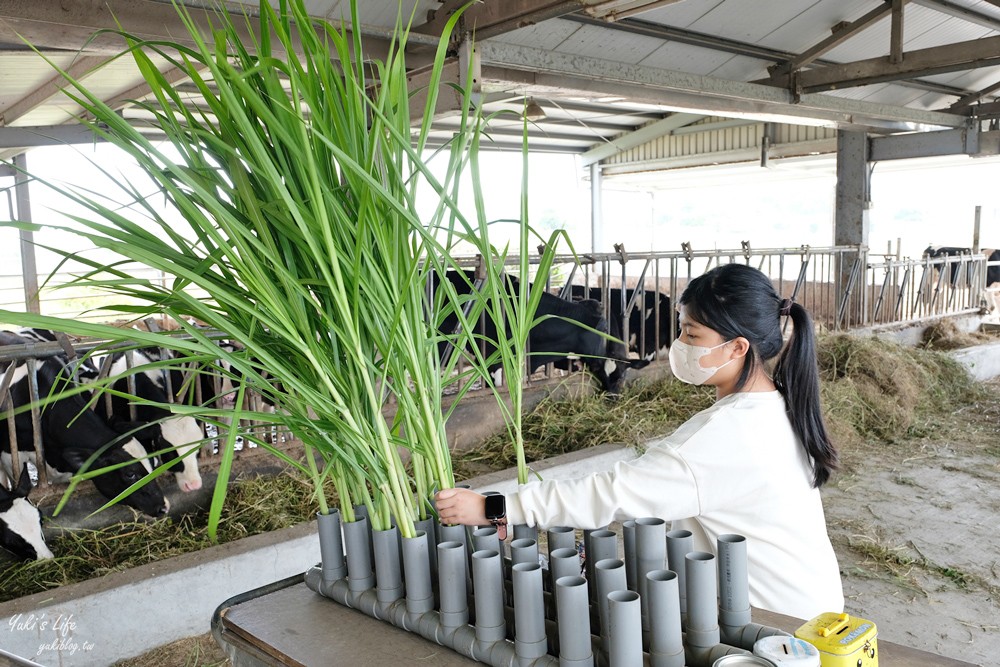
{"type": "Point", "coordinates": [461, 506]}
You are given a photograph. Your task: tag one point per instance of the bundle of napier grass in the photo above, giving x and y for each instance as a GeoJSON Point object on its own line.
{"type": "Point", "coordinates": [254, 505]}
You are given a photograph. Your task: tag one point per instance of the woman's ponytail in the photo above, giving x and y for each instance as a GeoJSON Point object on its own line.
{"type": "Point", "coordinates": [796, 376]}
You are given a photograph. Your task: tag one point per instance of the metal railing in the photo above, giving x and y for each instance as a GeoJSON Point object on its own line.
{"type": "Point", "coordinates": [838, 285]}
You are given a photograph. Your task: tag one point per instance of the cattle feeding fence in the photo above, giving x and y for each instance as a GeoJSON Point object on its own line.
{"type": "Point", "coordinates": [843, 287]}
{"type": "Point", "coordinates": [192, 380]}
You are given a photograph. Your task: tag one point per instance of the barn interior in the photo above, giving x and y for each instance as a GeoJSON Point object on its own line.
{"type": "Point", "coordinates": [635, 90]}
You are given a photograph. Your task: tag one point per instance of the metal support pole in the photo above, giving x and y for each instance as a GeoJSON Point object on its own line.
{"type": "Point", "coordinates": [29, 269]}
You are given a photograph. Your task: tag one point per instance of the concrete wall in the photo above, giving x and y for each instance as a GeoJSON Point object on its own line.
{"type": "Point", "coordinates": [125, 614]}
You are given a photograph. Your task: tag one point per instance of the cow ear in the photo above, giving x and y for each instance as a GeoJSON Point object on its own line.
{"type": "Point", "coordinates": [23, 483]}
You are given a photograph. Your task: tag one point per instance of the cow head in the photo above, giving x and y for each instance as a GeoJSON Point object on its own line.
{"type": "Point", "coordinates": [21, 522]}
{"type": "Point", "coordinates": [135, 465]}
{"type": "Point", "coordinates": [183, 437]}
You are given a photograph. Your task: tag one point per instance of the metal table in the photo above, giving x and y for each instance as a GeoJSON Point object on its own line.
{"type": "Point", "coordinates": [288, 624]}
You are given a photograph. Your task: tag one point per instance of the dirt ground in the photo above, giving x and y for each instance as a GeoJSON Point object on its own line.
{"type": "Point", "coordinates": [913, 524]}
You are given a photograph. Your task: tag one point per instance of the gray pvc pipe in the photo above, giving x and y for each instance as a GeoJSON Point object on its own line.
{"type": "Point", "coordinates": [451, 584]}
{"type": "Point", "coordinates": [628, 539]}
{"type": "Point", "coordinates": [624, 631]}
{"type": "Point", "coordinates": [417, 574]}
{"type": "Point", "coordinates": [487, 576]}
{"type": "Point", "coordinates": [573, 611]}
{"type": "Point", "coordinates": [529, 612]}
{"type": "Point", "coordinates": [485, 539]}
{"type": "Point", "coordinates": [428, 526]}
{"type": "Point", "coordinates": [702, 595]}
{"type": "Point", "coordinates": [561, 537]}
{"type": "Point", "coordinates": [331, 545]}
{"type": "Point", "coordinates": [462, 639]}
{"type": "Point", "coordinates": [359, 557]}
{"type": "Point", "coordinates": [452, 534]}
{"type": "Point", "coordinates": [524, 550]}
{"type": "Point", "coordinates": [603, 545]}
{"type": "Point", "coordinates": [679, 544]}
{"type": "Point", "coordinates": [525, 532]}
{"type": "Point", "coordinates": [734, 583]}
{"type": "Point", "coordinates": [666, 644]}
{"type": "Point", "coordinates": [735, 627]}
{"type": "Point", "coordinates": [564, 562]}
{"type": "Point", "coordinates": [650, 555]}
{"type": "Point", "coordinates": [388, 570]}
{"type": "Point", "coordinates": [610, 578]}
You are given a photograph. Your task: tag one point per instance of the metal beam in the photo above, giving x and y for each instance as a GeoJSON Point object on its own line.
{"type": "Point", "coordinates": [714, 43]}
{"type": "Point", "coordinates": [967, 101]}
{"type": "Point", "coordinates": [896, 32]}
{"type": "Point", "coordinates": [72, 25]}
{"type": "Point", "coordinates": [737, 156]}
{"type": "Point", "coordinates": [546, 72]}
{"type": "Point", "coordinates": [935, 60]}
{"type": "Point", "coordinates": [77, 69]}
{"type": "Point", "coordinates": [958, 11]}
{"type": "Point", "coordinates": [837, 37]}
{"type": "Point", "coordinates": [640, 136]}
{"type": "Point", "coordinates": [495, 17]}
{"type": "Point", "coordinates": [963, 141]}
{"type": "Point", "coordinates": [50, 135]}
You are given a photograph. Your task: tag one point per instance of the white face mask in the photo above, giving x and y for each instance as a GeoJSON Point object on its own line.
{"type": "Point", "coordinates": [684, 360]}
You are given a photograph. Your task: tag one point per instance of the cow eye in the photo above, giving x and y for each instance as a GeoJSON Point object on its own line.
{"type": "Point", "coordinates": [131, 476]}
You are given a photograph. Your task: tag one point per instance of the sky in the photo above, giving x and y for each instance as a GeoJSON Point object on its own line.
{"type": "Point", "coordinates": [914, 202]}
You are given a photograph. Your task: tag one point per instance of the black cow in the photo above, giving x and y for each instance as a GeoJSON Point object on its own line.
{"type": "Point", "coordinates": [177, 435]}
{"type": "Point", "coordinates": [993, 272]}
{"type": "Point", "coordinates": [21, 522]}
{"type": "Point", "coordinates": [72, 434]}
{"type": "Point", "coordinates": [643, 319]}
{"type": "Point", "coordinates": [557, 339]}
{"type": "Point", "coordinates": [944, 252]}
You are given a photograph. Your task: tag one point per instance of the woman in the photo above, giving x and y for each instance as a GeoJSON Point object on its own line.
{"type": "Point", "coordinates": [751, 464]}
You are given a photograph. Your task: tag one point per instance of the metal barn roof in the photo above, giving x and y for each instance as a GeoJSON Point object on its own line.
{"type": "Point", "coordinates": [608, 75]}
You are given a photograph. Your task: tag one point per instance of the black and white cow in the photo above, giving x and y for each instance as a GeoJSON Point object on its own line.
{"type": "Point", "coordinates": [72, 434]}
{"type": "Point", "coordinates": [648, 320]}
{"type": "Point", "coordinates": [21, 522]}
{"type": "Point", "coordinates": [558, 339]}
{"type": "Point", "coordinates": [179, 436]}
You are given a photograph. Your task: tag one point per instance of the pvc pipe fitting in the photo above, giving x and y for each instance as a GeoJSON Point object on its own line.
{"type": "Point", "coordinates": [703, 616]}
{"type": "Point", "coordinates": [624, 631]}
{"type": "Point", "coordinates": [357, 540]}
{"type": "Point", "coordinates": [679, 544]}
{"type": "Point", "coordinates": [388, 570]}
{"type": "Point", "coordinates": [331, 545]}
{"type": "Point", "coordinates": [561, 537]}
{"type": "Point", "coordinates": [417, 574]}
{"type": "Point", "coordinates": [666, 644]}
{"type": "Point", "coordinates": [530, 641]}
{"type": "Point", "coordinates": [574, 622]}
{"type": "Point", "coordinates": [451, 583]}
{"type": "Point", "coordinates": [628, 538]}
{"type": "Point", "coordinates": [487, 576]}
{"type": "Point", "coordinates": [524, 550]}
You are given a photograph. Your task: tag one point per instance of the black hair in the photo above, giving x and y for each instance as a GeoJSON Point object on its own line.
{"type": "Point", "coordinates": [736, 301]}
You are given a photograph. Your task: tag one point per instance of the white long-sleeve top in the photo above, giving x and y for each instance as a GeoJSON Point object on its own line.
{"type": "Point", "coordinates": [736, 467]}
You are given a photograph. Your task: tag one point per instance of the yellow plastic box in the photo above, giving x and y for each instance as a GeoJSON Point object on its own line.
{"type": "Point", "coordinates": [842, 640]}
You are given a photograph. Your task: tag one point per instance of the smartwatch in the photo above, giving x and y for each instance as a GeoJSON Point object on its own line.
{"type": "Point", "coordinates": [496, 512]}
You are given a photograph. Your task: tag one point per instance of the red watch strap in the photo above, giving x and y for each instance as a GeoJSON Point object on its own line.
{"type": "Point", "coordinates": [501, 526]}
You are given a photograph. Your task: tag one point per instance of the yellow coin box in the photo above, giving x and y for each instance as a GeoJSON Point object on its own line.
{"type": "Point", "coordinates": [842, 640]}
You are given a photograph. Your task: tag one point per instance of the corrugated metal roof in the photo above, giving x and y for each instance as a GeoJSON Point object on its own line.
{"type": "Point", "coordinates": [583, 71]}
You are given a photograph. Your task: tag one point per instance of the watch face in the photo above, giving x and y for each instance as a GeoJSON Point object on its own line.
{"type": "Point", "coordinates": [496, 506]}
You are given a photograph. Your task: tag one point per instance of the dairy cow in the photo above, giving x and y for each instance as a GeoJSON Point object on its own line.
{"type": "Point", "coordinates": [557, 337]}
{"type": "Point", "coordinates": [179, 436]}
{"type": "Point", "coordinates": [21, 522]}
{"type": "Point", "coordinates": [648, 319]}
{"type": "Point", "coordinates": [73, 436]}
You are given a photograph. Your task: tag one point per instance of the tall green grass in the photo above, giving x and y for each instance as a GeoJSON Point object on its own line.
{"type": "Point", "coordinates": [296, 183]}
